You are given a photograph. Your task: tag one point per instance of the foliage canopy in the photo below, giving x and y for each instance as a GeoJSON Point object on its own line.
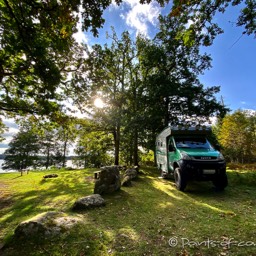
{"type": "Point", "coordinates": [38, 51]}
{"type": "Point", "coordinates": [237, 136]}
{"type": "Point", "coordinates": [200, 17]}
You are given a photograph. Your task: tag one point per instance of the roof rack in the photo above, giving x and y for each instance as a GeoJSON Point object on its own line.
{"type": "Point", "coordinates": [185, 130]}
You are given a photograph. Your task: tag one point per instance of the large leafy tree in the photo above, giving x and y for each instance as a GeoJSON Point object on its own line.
{"type": "Point", "coordinates": [173, 92]}
{"type": "Point", "coordinates": [38, 50]}
{"type": "Point", "coordinates": [108, 70]}
{"type": "Point", "coordinates": [36, 41]}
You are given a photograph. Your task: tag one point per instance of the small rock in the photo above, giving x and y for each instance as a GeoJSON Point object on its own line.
{"type": "Point", "coordinates": [89, 202]}
{"type": "Point", "coordinates": [53, 175]}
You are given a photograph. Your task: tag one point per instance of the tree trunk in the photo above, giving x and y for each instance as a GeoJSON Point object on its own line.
{"type": "Point", "coordinates": [167, 117]}
{"type": "Point", "coordinates": [135, 147]}
{"type": "Point", "coordinates": [64, 154]}
{"type": "Point", "coordinates": [117, 143]}
{"type": "Point", "coordinates": [47, 158]}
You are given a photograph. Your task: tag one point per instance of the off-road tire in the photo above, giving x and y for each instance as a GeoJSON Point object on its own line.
{"type": "Point", "coordinates": [220, 182]}
{"type": "Point", "coordinates": [180, 179]}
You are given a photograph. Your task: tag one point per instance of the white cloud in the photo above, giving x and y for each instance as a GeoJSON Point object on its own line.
{"type": "Point", "coordinates": [13, 129]}
{"type": "Point", "coordinates": [113, 6]}
{"type": "Point", "coordinates": [141, 16]}
{"type": "Point", "coordinates": [80, 36]}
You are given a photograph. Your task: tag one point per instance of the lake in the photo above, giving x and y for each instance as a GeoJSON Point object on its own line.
{"type": "Point", "coordinates": [4, 171]}
{"type": "Point", "coordinates": [68, 164]}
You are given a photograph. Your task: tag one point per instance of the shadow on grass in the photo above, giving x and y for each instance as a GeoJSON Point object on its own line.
{"type": "Point", "coordinates": [16, 177]}
{"type": "Point", "coordinates": [139, 220]}
{"type": "Point", "coordinates": [46, 195]}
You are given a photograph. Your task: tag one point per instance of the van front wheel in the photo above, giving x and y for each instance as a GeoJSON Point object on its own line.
{"type": "Point", "coordinates": [220, 181]}
{"type": "Point", "coordinates": [180, 179]}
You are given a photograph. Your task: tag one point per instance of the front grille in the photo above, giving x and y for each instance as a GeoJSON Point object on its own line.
{"type": "Point", "coordinates": [200, 165]}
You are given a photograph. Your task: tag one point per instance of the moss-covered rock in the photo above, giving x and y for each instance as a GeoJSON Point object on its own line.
{"type": "Point", "coordinates": [46, 224]}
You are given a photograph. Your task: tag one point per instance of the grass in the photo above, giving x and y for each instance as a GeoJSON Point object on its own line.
{"type": "Point", "coordinates": [137, 220]}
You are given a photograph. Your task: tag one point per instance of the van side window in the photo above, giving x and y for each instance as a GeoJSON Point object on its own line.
{"type": "Point", "coordinates": [171, 146]}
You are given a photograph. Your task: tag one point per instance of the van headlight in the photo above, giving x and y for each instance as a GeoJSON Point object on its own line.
{"type": "Point", "coordinates": [220, 157]}
{"type": "Point", "coordinates": [185, 156]}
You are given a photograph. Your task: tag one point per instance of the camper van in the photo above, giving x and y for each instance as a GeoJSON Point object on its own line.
{"type": "Point", "coordinates": [184, 153]}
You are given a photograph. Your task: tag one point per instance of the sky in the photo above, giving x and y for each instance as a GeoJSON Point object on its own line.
{"type": "Point", "coordinates": [233, 56]}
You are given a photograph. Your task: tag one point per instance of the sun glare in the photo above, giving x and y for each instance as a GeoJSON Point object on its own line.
{"type": "Point", "coordinates": [98, 103]}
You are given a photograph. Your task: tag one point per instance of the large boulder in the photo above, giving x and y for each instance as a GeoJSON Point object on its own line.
{"type": "Point", "coordinates": [109, 180]}
{"type": "Point", "coordinates": [46, 224]}
{"type": "Point", "coordinates": [89, 202]}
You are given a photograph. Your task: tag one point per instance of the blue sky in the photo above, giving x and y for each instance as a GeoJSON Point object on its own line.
{"type": "Point", "coordinates": [234, 57]}
{"type": "Point", "coordinates": [234, 64]}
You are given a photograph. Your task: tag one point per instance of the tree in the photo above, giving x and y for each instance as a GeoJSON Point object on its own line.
{"type": "Point", "coordinates": [53, 138]}
{"type": "Point", "coordinates": [23, 150]}
{"type": "Point", "coordinates": [237, 136]}
{"type": "Point", "coordinates": [108, 74]}
{"type": "Point", "coordinates": [94, 148]}
{"type": "Point", "coordinates": [50, 145]}
{"type": "Point", "coordinates": [145, 82]}
{"type": "Point", "coordinates": [35, 37]}
{"type": "Point", "coordinates": [66, 133]}
{"type": "Point", "coordinates": [173, 93]}
{"type": "Point", "coordinates": [38, 51]}
{"type": "Point", "coordinates": [200, 16]}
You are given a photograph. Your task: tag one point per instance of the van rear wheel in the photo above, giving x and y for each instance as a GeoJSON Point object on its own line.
{"type": "Point", "coordinates": [180, 179]}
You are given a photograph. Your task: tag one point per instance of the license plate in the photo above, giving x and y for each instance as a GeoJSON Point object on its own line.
{"type": "Point", "coordinates": [208, 171]}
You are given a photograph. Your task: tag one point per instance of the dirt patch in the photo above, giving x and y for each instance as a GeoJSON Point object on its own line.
{"type": "Point", "coordinates": [89, 179]}
{"type": "Point", "coordinates": [4, 189]}
{"type": "Point", "coordinates": [5, 195]}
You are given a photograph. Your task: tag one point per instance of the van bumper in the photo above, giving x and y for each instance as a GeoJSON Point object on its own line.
{"type": "Point", "coordinates": [202, 170]}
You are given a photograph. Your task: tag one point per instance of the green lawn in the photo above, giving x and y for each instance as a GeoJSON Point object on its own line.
{"type": "Point", "coordinates": [138, 220]}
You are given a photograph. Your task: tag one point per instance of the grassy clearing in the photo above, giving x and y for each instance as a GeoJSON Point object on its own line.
{"type": "Point", "coordinates": [138, 220]}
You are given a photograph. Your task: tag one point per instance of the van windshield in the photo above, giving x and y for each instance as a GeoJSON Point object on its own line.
{"type": "Point", "coordinates": [191, 142]}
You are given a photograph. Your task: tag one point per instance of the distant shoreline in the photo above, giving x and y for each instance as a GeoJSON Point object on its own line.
{"type": "Point", "coordinates": [69, 163]}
